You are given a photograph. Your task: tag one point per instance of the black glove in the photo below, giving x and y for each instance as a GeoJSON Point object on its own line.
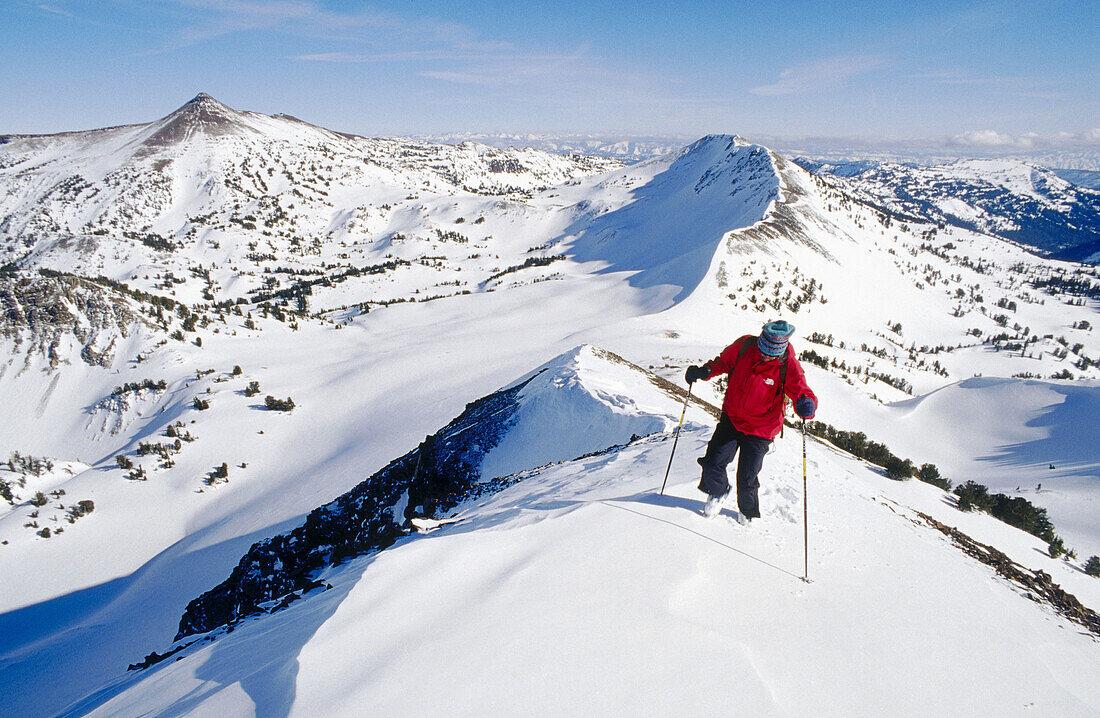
{"type": "Point", "coordinates": [694, 373]}
{"type": "Point", "coordinates": [804, 406]}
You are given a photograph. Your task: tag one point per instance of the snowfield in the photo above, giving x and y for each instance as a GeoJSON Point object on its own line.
{"type": "Point", "coordinates": [386, 287]}
{"type": "Point", "coordinates": [581, 590]}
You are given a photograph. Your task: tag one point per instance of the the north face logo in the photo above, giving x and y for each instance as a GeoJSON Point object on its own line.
{"type": "Point", "coordinates": [769, 381]}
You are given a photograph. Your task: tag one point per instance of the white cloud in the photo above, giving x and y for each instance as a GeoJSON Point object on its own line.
{"type": "Point", "coordinates": [311, 19]}
{"type": "Point", "coordinates": [992, 139]}
{"type": "Point", "coordinates": [55, 10]}
{"type": "Point", "coordinates": [983, 138]}
{"type": "Point", "coordinates": [819, 75]}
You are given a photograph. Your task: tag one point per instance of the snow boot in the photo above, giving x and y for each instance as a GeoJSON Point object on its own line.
{"type": "Point", "coordinates": [742, 519]}
{"type": "Point", "coordinates": [714, 505]}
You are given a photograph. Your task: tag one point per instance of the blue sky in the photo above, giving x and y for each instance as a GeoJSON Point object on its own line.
{"type": "Point", "coordinates": [980, 72]}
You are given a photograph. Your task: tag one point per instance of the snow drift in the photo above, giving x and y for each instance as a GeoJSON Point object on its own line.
{"type": "Point", "coordinates": [583, 401]}
{"type": "Point", "coordinates": [578, 590]}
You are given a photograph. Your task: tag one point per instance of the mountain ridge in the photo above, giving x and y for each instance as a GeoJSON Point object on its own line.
{"type": "Point", "coordinates": [1010, 199]}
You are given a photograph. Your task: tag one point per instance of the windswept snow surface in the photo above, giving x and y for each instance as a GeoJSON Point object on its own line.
{"type": "Point", "coordinates": [580, 590]}
{"type": "Point", "coordinates": [601, 403]}
{"type": "Point", "coordinates": [1020, 437]}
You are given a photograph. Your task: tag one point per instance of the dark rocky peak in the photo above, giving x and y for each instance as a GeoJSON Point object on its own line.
{"type": "Point", "coordinates": [202, 115]}
{"type": "Point", "coordinates": [729, 156]}
{"type": "Point", "coordinates": [204, 105]}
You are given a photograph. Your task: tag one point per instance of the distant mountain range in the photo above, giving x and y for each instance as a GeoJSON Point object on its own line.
{"type": "Point", "coordinates": [1080, 158]}
{"type": "Point", "coordinates": [628, 148]}
{"type": "Point", "coordinates": [1005, 198]}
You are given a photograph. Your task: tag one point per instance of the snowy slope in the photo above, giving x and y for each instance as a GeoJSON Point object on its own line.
{"type": "Point", "coordinates": [1082, 178]}
{"type": "Point", "coordinates": [1020, 437]}
{"type": "Point", "coordinates": [598, 395]}
{"type": "Point", "coordinates": [663, 262]}
{"type": "Point", "coordinates": [579, 589]}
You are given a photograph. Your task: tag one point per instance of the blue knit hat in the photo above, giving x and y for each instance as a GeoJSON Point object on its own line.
{"type": "Point", "coordinates": [773, 338]}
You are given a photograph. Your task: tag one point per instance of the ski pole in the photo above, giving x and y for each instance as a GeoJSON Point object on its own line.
{"type": "Point", "coordinates": [805, 514]}
{"type": "Point", "coordinates": [683, 413]}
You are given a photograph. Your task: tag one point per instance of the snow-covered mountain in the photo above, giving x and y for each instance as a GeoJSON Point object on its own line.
{"type": "Point", "coordinates": [209, 198]}
{"type": "Point", "coordinates": [262, 387]}
{"type": "Point", "coordinates": [1006, 198]}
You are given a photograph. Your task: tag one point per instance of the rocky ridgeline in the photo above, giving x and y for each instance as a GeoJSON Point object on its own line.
{"type": "Point", "coordinates": [428, 481]}
{"type": "Point", "coordinates": [1038, 584]}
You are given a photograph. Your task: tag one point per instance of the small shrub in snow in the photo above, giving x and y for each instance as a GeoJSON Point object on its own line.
{"type": "Point", "coordinates": [201, 404]}
{"type": "Point", "coordinates": [20, 464]}
{"type": "Point", "coordinates": [1021, 513]}
{"type": "Point", "coordinates": [1092, 566]}
{"type": "Point", "coordinates": [236, 370]}
{"type": "Point", "coordinates": [164, 451]}
{"type": "Point", "coordinates": [219, 475]}
{"type": "Point", "coordinates": [274, 404]}
{"type": "Point", "coordinates": [898, 468]}
{"type": "Point", "coordinates": [132, 386]}
{"type": "Point", "coordinates": [1013, 510]}
{"type": "Point", "coordinates": [44, 533]}
{"type": "Point", "coordinates": [175, 431]}
{"type": "Point", "coordinates": [5, 492]}
{"type": "Point", "coordinates": [929, 474]}
{"type": "Point", "coordinates": [124, 462]}
{"type": "Point", "coordinates": [855, 442]}
{"type": "Point", "coordinates": [973, 495]}
{"type": "Point", "coordinates": [253, 388]}
{"type": "Point", "coordinates": [82, 508]}
{"type": "Point", "coordinates": [40, 499]}
{"type": "Point", "coordinates": [1057, 547]}
{"type": "Point", "coordinates": [812, 357]}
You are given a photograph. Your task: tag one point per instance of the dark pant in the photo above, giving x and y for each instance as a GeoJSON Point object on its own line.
{"type": "Point", "coordinates": [722, 448]}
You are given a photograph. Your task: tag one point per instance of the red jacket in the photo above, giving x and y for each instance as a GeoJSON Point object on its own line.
{"type": "Point", "coordinates": [753, 402]}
